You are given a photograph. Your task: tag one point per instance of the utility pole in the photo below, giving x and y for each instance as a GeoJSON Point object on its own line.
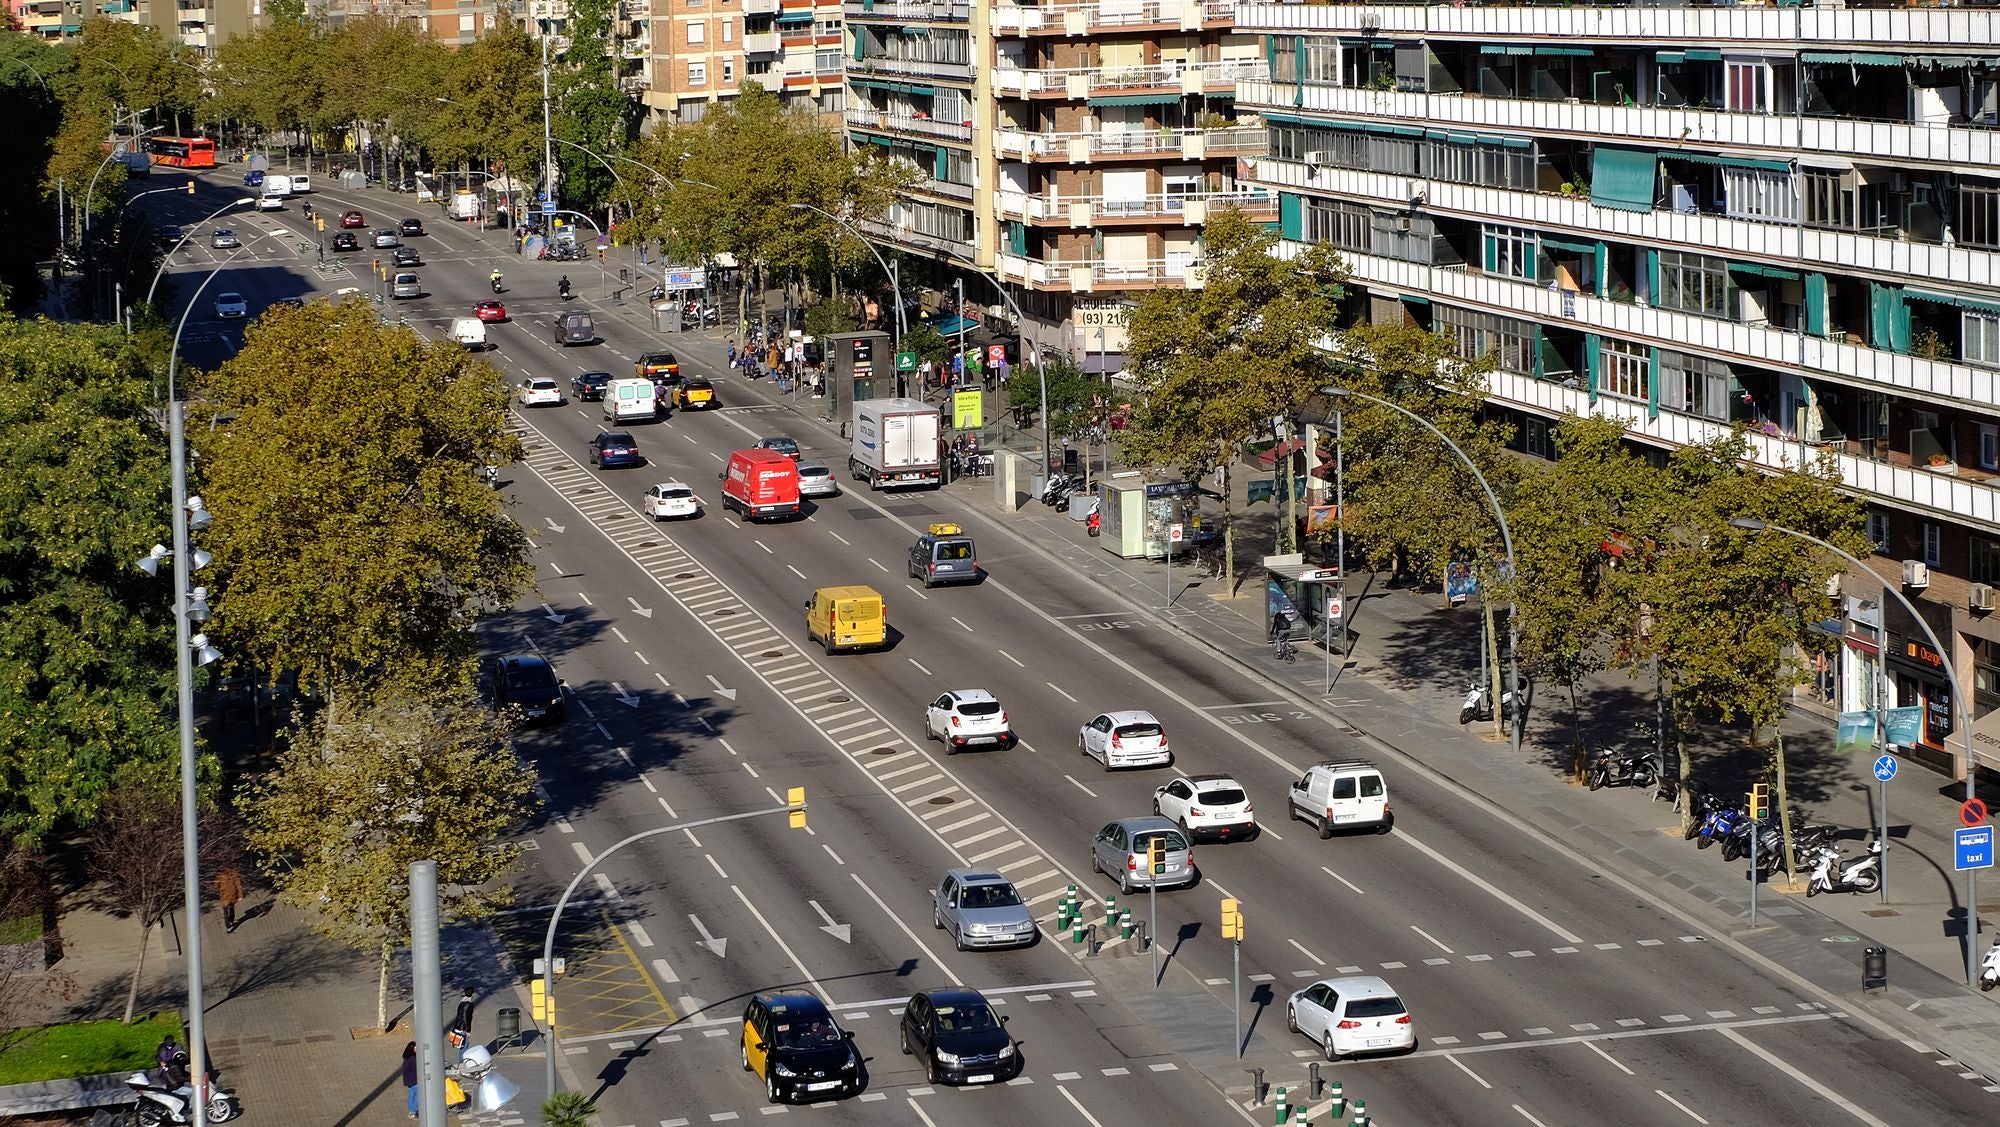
{"type": "Point", "coordinates": [548, 146]}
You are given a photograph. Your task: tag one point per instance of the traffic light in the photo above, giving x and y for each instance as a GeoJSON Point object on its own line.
{"type": "Point", "coordinates": [1760, 801]}
{"type": "Point", "coordinates": [795, 797]}
{"type": "Point", "coordinates": [1156, 855]}
{"type": "Point", "coordinates": [190, 187]}
{"type": "Point", "coordinates": [1232, 921]}
{"type": "Point", "coordinates": [319, 222]}
{"type": "Point", "coordinates": [538, 999]}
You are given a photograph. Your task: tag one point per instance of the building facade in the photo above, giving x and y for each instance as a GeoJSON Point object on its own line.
{"type": "Point", "coordinates": [1693, 218]}
{"type": "Point", "coordinates": [196, 23]}
{"type": "Point", "coordinates": [683, 56]}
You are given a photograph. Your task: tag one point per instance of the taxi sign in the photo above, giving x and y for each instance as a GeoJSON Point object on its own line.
{"type": "Point", "coordinates": [946, 528]}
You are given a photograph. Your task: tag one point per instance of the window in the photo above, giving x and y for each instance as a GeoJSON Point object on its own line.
{"type": "Point", "coordinates": [1759, 196]}
{"type": "Point", "coordinates": [1535, 438]}
{"type": "Point", "coordinates": [1985, 566]}
{"type": "Point", "coordinates": [697, 74]}
{"type": "Point", "coordinates": [1694, 385]}
{"type": "Point", "coordinates": [697, 32]}
{"type": "Point", "coordinates": [1980, 338]}
{"type": "Point", "coordinates": [1484, 161]}
{"type": "Point", "coordinates": [1933, 544]}
{"type": "Point", "coordinates": [1985, 676]}
{"type": "Point", "coordinates": [1511, 252]}
{"type": "Point", "coordinates": [826, 61]}
{"type": "Point", "coordinates": [834, 100]}
{"type": "Point", "coordinates": [1510, 341]}
{"type": "Point", "coordinates": [1978, 215]}
{"type": "Point", "coordinates": [729, 71]}
{"type": "Point", "coordinates": [728, 31]}
{"type": "Point", "coordinates": [1878, 531]}
{"type": "Point", "coordinates": [827, 27]}
{"type": "Point", "coordinates": [1748, 88]}
{"type": "Point", "coordinates": [689, 112]}
{"type": "Point", "coordinates": [1693, 283]}
{"type": "Point", "coordinates": [1989, 447]}
{"type": "Point", "coordinates": [1345, 225]}
{"type": "Point", "coordinates": [1623, 371]}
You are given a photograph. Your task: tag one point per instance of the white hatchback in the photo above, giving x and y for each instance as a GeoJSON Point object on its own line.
{"type": "Point", "coordinates": [1208, 806]}
{"type": "Point", "coordinates": [670, 499]}
{"type": "Point", "coordinates": [1347, 1016]}
{"type": "Point", "coordinates": [540, 391]}
{"type": "Point", "coordinates": [231, 306]}
{"type": "Point", "coordinates": [968, 718]}
{"type": "Point", "coordinates": [1125, 739]}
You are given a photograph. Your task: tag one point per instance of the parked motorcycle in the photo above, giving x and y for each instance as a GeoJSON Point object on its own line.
{"type": "Point", "coordinates": [1717, 823]}
{"type": "Point", "coordinates": [1479, 700]}
{"type": "Point", "coordinates": [1095, 525]}
{"type": "Point", "coordinates": [1611, 769]}
{"type": "Point", "coordinates": [1833, 873]}
{"type": "Point", "coordinates": [1989, 969]}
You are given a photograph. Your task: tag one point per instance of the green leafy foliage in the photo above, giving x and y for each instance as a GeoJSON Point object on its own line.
{"type": "Point", "coordinates": [86, 648]}
{"type": "Point", "coordinates": [28, 130]}
{"type": "Point", "coordinates": [590, 110]}
{"type": "Point", "coordinates": [359, 536]}
{"type": "Point", "coordinates": [1076, 402]}
{"type": "Point", "coordinates": [569, 1109]}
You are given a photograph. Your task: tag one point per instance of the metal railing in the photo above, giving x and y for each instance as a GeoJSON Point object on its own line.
{"type": "Point", "coordinates": [904, 123]}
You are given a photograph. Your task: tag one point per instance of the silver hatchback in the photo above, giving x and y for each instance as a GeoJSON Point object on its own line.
{"type": "Point", "coordinates": [981, 908]}
{"type": "Point", "coordinates": [1121, 848]}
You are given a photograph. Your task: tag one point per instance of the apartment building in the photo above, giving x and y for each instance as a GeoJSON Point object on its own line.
{"type": "Point", "coordinates": [1691, 218]}
{"type": "Point", "coordinates": [195, 23]}
{"type": "Point", "coordinates": [682, 56]}
{"type": "Point", "coordinates": [1072, 149]}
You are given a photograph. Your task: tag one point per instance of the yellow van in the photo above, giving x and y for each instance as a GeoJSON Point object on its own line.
{"type": "Point", "coordinates": [847, 618]}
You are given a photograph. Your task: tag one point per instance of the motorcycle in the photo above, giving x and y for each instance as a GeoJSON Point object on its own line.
{"type": "Point", "coordinates": [1479, 700]}
{"type": "Point", "coordinates": [497, 287]}
{"type": "Point", "coordinates": [1833, 873]}
{"type": "Point", "coordinates": [1715, 822]}
{"type": "Point", "coordinates": [659, 294]}
{"type": "Point", "coordinates": [562, 289]}
{"type": "Point", "coordinates": [1635, 770]}
{"type": "Point", "coordinates": [169, 1102]}
{"type": "Point", "coordinates": [1094, 526]}
{"type": "Point", "coordinates": [1989, 969]}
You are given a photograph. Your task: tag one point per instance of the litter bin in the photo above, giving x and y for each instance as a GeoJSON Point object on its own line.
{"type": "Point", "coordinates": [1037, 484]}
{"type": "Point", "coordinates": [1079, 505]}
{"type": "Point", "coordinates": [509, 1021]}
{"type": "Point", "coordinates": [1874, 968]}
{"type": "Point", "coordinates": [1072, 461]}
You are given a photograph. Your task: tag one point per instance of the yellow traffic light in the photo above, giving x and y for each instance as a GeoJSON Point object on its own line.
{"type": "Point", "coordinates": [1156, 855]}
{"type": "Point", "coordinates": [1232, 920]}
{"type": "Point", "coordinates": [1760, 801]}
{"type": "Point", "coordinates": [538, 999]}
{"type": "Point", "coordinates": [319, 222]}
{"type": "Point", "coordinates": [795, 797]}
{"type": "Point", "coordinates": [190, 187]}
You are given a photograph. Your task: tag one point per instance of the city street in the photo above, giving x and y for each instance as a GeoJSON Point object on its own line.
{"type": "Point", "coordinates": [1546, 986]}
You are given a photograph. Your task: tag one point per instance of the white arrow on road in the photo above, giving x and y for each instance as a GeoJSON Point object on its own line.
{"type": "Point", "coordinates": [727, 694]}
{"type": "Point", "coordinates": [644, 612]}
{"type": "Point", "coordinates": [624, 698]}
{"type": "Point", "coordinates": [553, 616]}
{"type": "Point", "coordinates": [709, 941]}
{"type": "Point", "coordinates": [553, 526]}
{"type": "Point", "coordinates": [842, 932]}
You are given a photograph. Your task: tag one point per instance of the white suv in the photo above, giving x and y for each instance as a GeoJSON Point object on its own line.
{"type": "Point", "coordinates": [1208, 806]}
{"type": "Point", "coordinates": [540, 391]}
{"type": "Point", "coordinates": [1125, 739]}
{"type": "Point", "coordinates": [967, 718]}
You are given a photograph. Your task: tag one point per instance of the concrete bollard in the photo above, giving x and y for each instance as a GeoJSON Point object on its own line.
{"type": "Point", "coordinates": [1315, 1083]}
{"type": "Point", "coordinates": [1338, 1096]}
{"type": "Point", "coordinates": [1281, 1107]}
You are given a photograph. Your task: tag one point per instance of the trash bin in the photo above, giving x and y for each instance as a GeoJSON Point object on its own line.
{"type": "Point", "coordinates": [1079, 505]}
{"type": "Point", "coordinates": [1037, 484]}
{"type": "Point", "coordinates": [1875, 968]}
{"type": "Point", "coordinates": [1072, 461]}
{"type": "Point", "coordinates": [509, 1021]}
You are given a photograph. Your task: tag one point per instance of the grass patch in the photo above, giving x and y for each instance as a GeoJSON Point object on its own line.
{"type": "Point", "coordinates": [20, 929]}
{"type": "Point", "coordinates": [57, 1052]}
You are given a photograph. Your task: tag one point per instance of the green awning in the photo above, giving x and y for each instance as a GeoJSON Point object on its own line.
{"type": "Point", "coordinates": [1572, 52]}
{"type": "Point", "coordinates": [1462, 138]}
{"type": "Point", "coordinates": [1283, 118]}
{"type": "Point", "coordinates": [1487, 139]}
{"type": "Point", "coordinates": [1877, 59]}
{"type": "Point", "coordinates": [1752, 163]}
{"type": "Point", "coordinates": [1958, 299]}
{"type": "Point", "coordinates": [1566, 244]}
{"type": "Point", "coordinates": [1415, 299]}
{"type": "Point", "coordinates": [1670, 56]}
{"type": "Point", "coordinates": [1395, 130]}
{"type": "Point", "coordinates": [1760, 270]}
{"type": "Point", "coordinates": [1158, 98]}
{"type": "Point", "coordinates": [1704, 55]}
{"type": "Point", "coordinates": [1623, 178]}
{"type": "Point", "coordinates": [1504, 49]}
{"type": "Point", "coordinates": [894, 87]}
{"type": "Point", "coordinates": [1518, 142]}
{"type": "Point", "coordinates": [1826, 56]}
{"type": "Point", "coordinates": [797, 15]}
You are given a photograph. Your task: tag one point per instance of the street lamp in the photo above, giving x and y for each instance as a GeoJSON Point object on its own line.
{"type": "Point", "coordinates": [168, 258]}
{"type": "Point", "coordinates": [108, 158]}
{"type": "Point", "coordinates": [1751, 524]}
{"type": "Point", "coordinates": [1506, 540]}
{"type": "Point", "coordinates": [1339, 525]}
{"type": "Point", "coordinates": [895, 282]}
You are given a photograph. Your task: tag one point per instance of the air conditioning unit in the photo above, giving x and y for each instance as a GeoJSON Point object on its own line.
{"type": "Point", "coordinates": [1833, 586]}
{"type": "Point", "coordinates": [1916, 574]}
{"type": "Point", "coordinates": [1315, 159]}
{"type": "Point", "coordinates": [1981, 597]}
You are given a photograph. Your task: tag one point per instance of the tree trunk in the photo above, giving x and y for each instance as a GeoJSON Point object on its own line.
{"type": "Point", "coordinates": [1228, 533]}
{"type": "Point", "coordinates": [138, 971]}
{"type": "Point", "coordinates": [1784, 807]}
{"type": "Point", "coordinates": [1288, 536]}
{"type": "Point", "coordinates": [1492, 656]}
{"type": "Point", "coordinates": [1686, 769]}
{"type": "Point", "coordinates": [382, 988]}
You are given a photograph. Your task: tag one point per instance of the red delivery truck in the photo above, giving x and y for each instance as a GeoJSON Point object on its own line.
{"type": "Point", "coordinates": [761, 484]}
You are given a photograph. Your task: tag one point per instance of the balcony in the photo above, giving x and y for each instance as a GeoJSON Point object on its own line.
{"type": "Point", "coordinates": [635, 9]}
{"type": "Point", "coordinates": [760, 42]}
{"type": "Point", "coordinates": [760, 7]}
{"type": "Point", "coordinates": [908, 126]}
{"type": "Point", "coordinates": [1097, 210]}
{"type": "Point", "coordinates": [922, 240]}
{"type": "Point", "coordinates": [636, 48]}
{"type": "Point", "coordinates": [919, 68]}
{"type": "Point", "coordinates": [1085, 275]}
{"type": "Point", "coordinates": [1080, 148]}
{"type": "Point", "coordinates": [908, 11]}
{"type": "Point", "coordinates": [1961, 146]}
{"type": "Point", "coordinates": [1087, 82]}
{"type": "Point", "coordinates": [1089, 16]}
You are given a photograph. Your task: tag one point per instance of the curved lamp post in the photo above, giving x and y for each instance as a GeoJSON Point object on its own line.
{"type": "Point", "coordinates": [895, 283]}
{"type": "Point", "coordinates": [1506, 541]}
{"type": "Point", "coordinates": [101, 166]}
{"type": "Point", "coordinates": [1750, 524]}
{"type": "Point", "coordinates": [187, 234]}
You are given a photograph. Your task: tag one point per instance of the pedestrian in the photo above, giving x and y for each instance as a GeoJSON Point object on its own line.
{"type": "Point", "coordinates": [410, 1077]}
{"type": "Point", "coordinates": [732, 354]}
{"type": "Point", "coordinates": [229, 890]}
{"type": "Point", "coordinates": [460, 1030]}
{"type": "Point", "coordinates": [168, 1049]}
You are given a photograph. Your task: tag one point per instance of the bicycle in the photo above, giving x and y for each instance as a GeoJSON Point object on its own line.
{"type": "Point", "coordinates": [1284, 649]}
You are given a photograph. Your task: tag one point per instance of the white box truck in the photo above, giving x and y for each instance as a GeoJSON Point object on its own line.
{"type": "Point", "coordinates": [630, 401]}
{"type": "Point", "coordinates": [896, 444]}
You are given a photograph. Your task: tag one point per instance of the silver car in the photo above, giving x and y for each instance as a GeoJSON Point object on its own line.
{"type": "Point", "coordinates": [980, 908]}
{"type": "Point", "coordinates": [816, 480]}
{"type": "Point", "coordinates": [1121, 852]}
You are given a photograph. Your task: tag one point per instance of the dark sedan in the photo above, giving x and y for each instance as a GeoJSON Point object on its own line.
{"type": "Point", "coordinates": [792, 1043]}
{"type": "Point", "coordinates": [614, 448]}
{"type": "Point", "coordinates": [345, 241]}
{"type": "Point", "coordinates": [410, 227]}
{"type": "Point", "coordinates": [959, 1038]}
{"type": "Point", "coordinates": [589, 385]}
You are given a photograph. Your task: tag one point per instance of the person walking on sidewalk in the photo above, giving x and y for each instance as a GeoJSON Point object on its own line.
{"type": "Point", "coordinates": [410, 1078]}
{"type": "Point", "coordinates": [229, 890]}
{"type": "Point", "coordinates": [460, 1029]}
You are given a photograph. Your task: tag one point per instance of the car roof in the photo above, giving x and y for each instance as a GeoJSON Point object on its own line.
{"type": "Point", "coordinates": [524, 661]}
{"type": "Point", "coordinates": [1131, 716]}
{"type": "Point", "coordinates": [972, 875]}
{"type": "Point", "coordinates": [972, 695]}
{"type": "Point", "coordinates": [587, 375]}
{"type": "Point", "coordinates": [800, 1003]}
{"type": "Point", "coordinates": [1144, 822]}
{"type": "Point", "coordinates": [671, 485]}
{"type": "Point", "coordinates": [1363, 985]}
{"type": "Point", "coordinates": [617, 435]}
{"type": "Point", "coordinates": [231, 295]}
{"type": "Point", "coordinates": [656, 356]}
{"type": "Point", "coordinates": [540, 380]}
{"type": "Point", "coordinates": [956, 996]}
{"type": "Point", "coordinates": [1230, 779]}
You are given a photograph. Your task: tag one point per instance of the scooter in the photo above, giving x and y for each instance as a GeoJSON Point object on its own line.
{"type": "Point", "coordinates": [1863, 874]}
{"type": "Point", "coordinates": [1636, 770]}
{"type": "Point", "coordinates": [497, 287]}
{"type": "Point", "coordinates": [1989, 970]}
{"type": "Point", "coordinates": [1479, 700]}
{"type": "Point", "coordinates": [1095, 525]}
{"type": "Point", "coordinates": [160, 1104]}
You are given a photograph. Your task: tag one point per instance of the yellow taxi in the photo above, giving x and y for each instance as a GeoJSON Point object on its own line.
{"type": "Point", "coordinates": [694, 391]}
{"type": "Point", "coordinates": [793, 1045]}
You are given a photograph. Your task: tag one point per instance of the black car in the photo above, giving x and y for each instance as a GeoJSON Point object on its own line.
{"type": "Point", "coordinates": [346, 241]}
{"type": "Point", "coordinates": [528, 683]}
{"type": "Point", "coordinates": [960, 1038]}
{"type": "Point", "coordinates": [589, 385]}
{"type": "Point", "coordinates": [410, 227]}
{"type": "Point", "coordinates": [170, 234]}
{"type": "Point", "coordinates": [408, 256]}
{"type": "Point", "coordinates": [792, 1043]}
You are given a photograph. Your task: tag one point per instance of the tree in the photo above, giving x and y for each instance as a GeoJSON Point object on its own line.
{"type": "Point", "coordinates": [383, 75]}
{"type": "Point", "coordinates": [1076, 401]}
{"type": "Point", "coordinates": [123, 67]}
{"type": "Point", "coordinates": [1216, 364]}
{"type": "Point", "coordinates": [590, 109]}
{"type": "Point", "coordinates": [135, 856]}
{"type": "Point", "coordinates": [27, 983]}
{"type": "Point", "coordinates": [371, 784]}
{"type": "Point", "coordinates": [86, 639]}
{"type": "Point", "coordinates": [28, 130]}
{"type": "Point", "coordinates": [493, 115]}
{"type": "Point", "coordinates": [360, 535]}
{"type": "Point", "coordinates": [276, 77]}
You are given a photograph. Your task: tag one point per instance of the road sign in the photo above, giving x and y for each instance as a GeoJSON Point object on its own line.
{"type": "Point", "coordinates": [1972, 848]}
{"type": "Point", "coordinates": [548, 208]}
{"type": "Point", "coordinates": [1319, 575]}
{"type": "Point", "coordinates": [906, 361]}
{"type": "Point", "coordinates": [1972, 813]}
{"type": "Point", "coordinates": [1176, 533]}
{"type": "Point", "coordinates": [1885, 768]}
{"type": "Point", "coordinates": [996, 355]}
{"type": "Point", "coordinates": [1334, 608]}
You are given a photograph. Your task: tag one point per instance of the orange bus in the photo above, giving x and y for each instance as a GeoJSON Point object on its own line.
{"type": "Point", "coordinates": [182, 152]}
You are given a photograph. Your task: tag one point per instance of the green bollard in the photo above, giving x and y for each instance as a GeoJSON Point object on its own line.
{"type": "Point", "coordinates": [1110, 907]}
{"type": "Point", "coordinates": [1360, 1113]}
{"type": "Point", "coordinates": [1125, 923]}
{"type": "Point", "coordinates": [1337, 1098]}
{"type": "Point", "coordinates": [1076, 931]}
{"type": "Point", "coordinates": [1062, 914]}
{"type": "Point", "coordinates": [1282, 1108]}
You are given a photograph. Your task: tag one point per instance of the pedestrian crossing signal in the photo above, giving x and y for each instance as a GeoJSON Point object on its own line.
{"type": "Point", "coordinates": [538, 999]}
{"type": "Point", "coordinates": [795, 797]}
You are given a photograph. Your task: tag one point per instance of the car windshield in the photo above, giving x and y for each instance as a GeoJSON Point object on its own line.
{"type": "Point", "coordinates": [1174, 840]}
{"type": "Point", "coordinates": [966, 1019]}
{"type": "Point", "coordinates": [1221, 796]}
{"type": "Point", "coordinates": [1391, 1006]}
{"type": "Point", "coordinates": [677, 494]}
{"type": "Point", "coordinates": [535, 676]}
{"type": "Point", "coordinates": [1138, 731]}
{"type": "Point", "coordinates": [989, 896]}
{"type": "Point", "coordinates": [979, 708]}
{"type": "Point", "coordinates": [807, 1035]}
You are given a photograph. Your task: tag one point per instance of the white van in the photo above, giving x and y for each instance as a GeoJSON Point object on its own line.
{"type": "Point", "coordinates": [470, 332]}
{"type": "Point", "coordinates": [1338, 795]}
{"type": "Point", "coordinates": [630, 401]}
{"type": "Point", "coordinates": [301, 184]}
{"type": "Point", "coordinates": [277, 187]}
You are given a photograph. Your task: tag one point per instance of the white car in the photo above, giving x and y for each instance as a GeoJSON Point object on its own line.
{"type": "Point", "coordinates": [816, 480]}
{"type": "Point", "coordinates": [541, 391]}
{"type": "Point", "coordinates": [230, 306]}
{"type": "Point", "coordinates": [670, 499]}
{"type": "Point", "coordinates": [387, 237]}
{"type": "Point", "coordinates": [301, 183]}
{"type": "Point", "coordinates": [968, 718]}
{"type": "Point", "coordinates": [1125, 739]}
{"type": "Point", "coordinates": [270, 203]}
{"type": "Point", "coordinates": [1208, 806]}
{"type": "Point", "coordinates": [1352, 1015]}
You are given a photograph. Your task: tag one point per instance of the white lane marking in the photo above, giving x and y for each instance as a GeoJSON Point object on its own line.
{"type": "Point", "coordinates": [620, 635]}
{"type": "Point", "coordinates": [797, 962]}
{"type": "Point", "coordinates": [1432, 938]}
{"type": "Point", "coordinates": [956, 619]}
{"type": "Point", "coordinates": [766, 547]}
{"type": "Point", "coordinates": [716, 865]}
{"type": "Point", "coordinates": [918, 594]}
{"type": "Point", "coordinates": [1678, 1104]}
{"type": "Point", "coordinates": [898, 921]}
{"type": "Point", "coordinates": [1080, 1109]}
{"type": "Point", "coordinates": [1529, 1118]}
{"type": "Point", "coordinates": [1010, 657]}
{"type": "Point", "coordinates": [1469, 1072]}
{"type": "Point", "coordinates": [1484, 885]}
{"type": "Point", "coordinates": [831, 853]}
{"type": "Point", "coordinates": [666, 973]}
{"type": "Point", "coordinates": [920, 667]}
{"type": "Point", "coordinates": [1080, 786]}
{"type": "Point", "coordinates": [1057, 688]}
{"type": "Point", "coordinates": [1788, 1069]}
{"type": "Point", "coordinates": [1615, 1062]}
{"type": "Point", "coordinates": [1348, 883]}
{"type": "Point", "coordinates": [639, 935]}
{"type": "Point", "coordinates": [1317, 961]}
{"type": "Point", "coordinates": [914, 1106]}
{"type": "Point", "coordinates": [752, 770]}
{"type": "Point", "coordinates": [796, 571]}
{"type": "Point", "coordinates": [878, 566]}
{"type": "Point", "coordinates": [838, 536]}
{"type": "Point", "coordinates": [582, 851]}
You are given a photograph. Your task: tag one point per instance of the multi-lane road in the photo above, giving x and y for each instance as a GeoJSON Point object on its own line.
{"type": "Point", "coordinates": [1546, 988]}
